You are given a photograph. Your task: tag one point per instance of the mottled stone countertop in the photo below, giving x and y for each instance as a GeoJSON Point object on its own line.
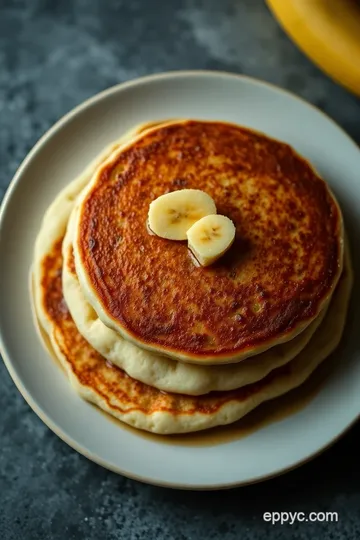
{"type": "Point", "coordinates": [53, 55]}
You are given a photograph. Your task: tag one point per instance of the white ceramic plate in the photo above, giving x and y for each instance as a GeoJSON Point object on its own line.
{"type": "Point", "coordinates": [56, 159]}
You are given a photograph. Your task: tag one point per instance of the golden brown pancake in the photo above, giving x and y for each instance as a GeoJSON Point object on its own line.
{"type": "Point", "coordinates": [147, 408]}
{"type": "Point", "coordinates": [276, 278]}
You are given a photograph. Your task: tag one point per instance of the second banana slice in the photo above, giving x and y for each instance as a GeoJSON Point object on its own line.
{"type": "Point", "coordinates": [210, 237]}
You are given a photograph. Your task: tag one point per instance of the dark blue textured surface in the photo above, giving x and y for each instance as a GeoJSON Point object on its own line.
{"type": "Point", "coordinates": [53, 55]}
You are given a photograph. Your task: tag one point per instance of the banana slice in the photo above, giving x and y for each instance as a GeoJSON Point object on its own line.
{"type": "Point", "coordinates": [171, 215]}
{"type": "Point", "coordinates": [210, 237]}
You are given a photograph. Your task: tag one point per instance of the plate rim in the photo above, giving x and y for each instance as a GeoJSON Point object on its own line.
{"type": "Point", "coordinates": [30, 400]}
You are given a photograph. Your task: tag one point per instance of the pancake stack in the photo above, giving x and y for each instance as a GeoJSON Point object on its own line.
{"type": "Point", "coordinates": [159, 341]}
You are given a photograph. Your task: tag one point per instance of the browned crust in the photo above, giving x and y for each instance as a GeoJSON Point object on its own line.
{"type": "Point", "coordinates": [285, 260]}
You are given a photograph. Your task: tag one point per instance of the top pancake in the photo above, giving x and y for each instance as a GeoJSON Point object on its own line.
{"type": "Point", "coordinates": [276, 278]}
